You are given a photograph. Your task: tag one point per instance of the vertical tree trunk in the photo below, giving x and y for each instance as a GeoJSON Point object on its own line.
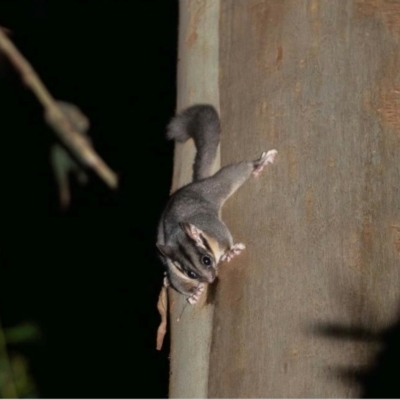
{"type": "Point", "coordinates": [198, 82]}
{"type": "Point", "coordinates": [319, 81]}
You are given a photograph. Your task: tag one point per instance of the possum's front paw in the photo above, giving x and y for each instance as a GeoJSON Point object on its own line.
{"type": "Point", "coordinates": [266, 158]}
{"type": "Point", "coordinates": [193, 299]}
{"type": "Point", "coordinates": [235, 250]}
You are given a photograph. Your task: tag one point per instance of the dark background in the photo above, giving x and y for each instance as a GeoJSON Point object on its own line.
{"type": "Point", "coordinates": [89, 277]}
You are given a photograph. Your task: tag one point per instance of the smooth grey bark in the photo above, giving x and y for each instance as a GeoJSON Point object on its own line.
{"type": "Point", "coordinates": [198, 70]}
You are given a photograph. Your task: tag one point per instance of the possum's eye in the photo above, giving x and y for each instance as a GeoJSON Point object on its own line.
{"type": "Point", "coordinates": [192, 274]}
{"type": "Point", "coordinates": [206, 260]}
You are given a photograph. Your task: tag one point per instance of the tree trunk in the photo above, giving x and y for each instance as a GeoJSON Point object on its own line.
{"type": "Point", "coordinates": [319, 81]}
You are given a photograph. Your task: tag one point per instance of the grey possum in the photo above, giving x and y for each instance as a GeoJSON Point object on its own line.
{"type": "Point", "coordinates": [192, 239]}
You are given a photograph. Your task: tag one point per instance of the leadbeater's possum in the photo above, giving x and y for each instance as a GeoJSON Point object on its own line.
{"type": "Point", "coordinates": [192, 238]}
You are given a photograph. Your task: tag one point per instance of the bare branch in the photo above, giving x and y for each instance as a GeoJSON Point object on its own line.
{"type": "Point", "coordinates": [79, 145]}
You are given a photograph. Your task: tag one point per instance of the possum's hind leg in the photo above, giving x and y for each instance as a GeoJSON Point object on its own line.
{"type": "Point", "coordinates": [219, 187]}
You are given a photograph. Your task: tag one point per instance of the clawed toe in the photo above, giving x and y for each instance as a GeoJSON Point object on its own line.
{"type": "Point", "coordinates": [235, 250]}
{"type": "Point", "coordinates": [193, 299]}
{"type": "Point", "coordinates": [266, 158]}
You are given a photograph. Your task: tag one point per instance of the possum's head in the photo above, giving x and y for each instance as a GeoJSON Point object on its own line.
{"type": "Point", "coordinates": [191, 261]}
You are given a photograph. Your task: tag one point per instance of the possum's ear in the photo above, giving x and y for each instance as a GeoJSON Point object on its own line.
{"type": "Point", "coordinates": [166, 251]}
{"type": "Point", "coordinates": [192, 231]}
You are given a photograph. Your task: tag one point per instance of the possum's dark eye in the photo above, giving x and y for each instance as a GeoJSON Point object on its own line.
{"type": "Point", "coordinates": [206, 260]}
{"type": "Point", "coordinates": [192, 274]}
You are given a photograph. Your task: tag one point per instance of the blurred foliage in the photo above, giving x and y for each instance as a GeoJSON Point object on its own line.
{"type": "Point", "coordinates": [15, 379]}
{"type": "Point", "coordinates": [25, 332]}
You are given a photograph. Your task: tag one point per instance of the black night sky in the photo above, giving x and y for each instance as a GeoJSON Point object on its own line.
{"type": "Point", "coordinates": [89, 277]}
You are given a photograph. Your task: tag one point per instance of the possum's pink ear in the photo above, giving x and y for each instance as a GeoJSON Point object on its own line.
{"type": "Point", "coordinates": [192, 231]}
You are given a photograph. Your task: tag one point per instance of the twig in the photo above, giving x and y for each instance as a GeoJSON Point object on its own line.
{"type": "Point", "coordinates": [162, 305]}
{"type": "Point", "coordinates": [80, 147]}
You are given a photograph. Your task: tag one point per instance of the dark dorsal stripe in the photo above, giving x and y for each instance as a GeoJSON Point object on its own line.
{"type": "Point", "coordinates": [186, 255]}
{"type": "Point", "coordinates": [207, 245]}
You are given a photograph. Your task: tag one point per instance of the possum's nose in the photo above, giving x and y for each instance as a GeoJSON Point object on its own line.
{"type": "Point", "coordinates": [211, 277]}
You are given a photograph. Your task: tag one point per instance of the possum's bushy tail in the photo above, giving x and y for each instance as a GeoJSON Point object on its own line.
{"type": "Point", "coordinates": [200, 122]}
